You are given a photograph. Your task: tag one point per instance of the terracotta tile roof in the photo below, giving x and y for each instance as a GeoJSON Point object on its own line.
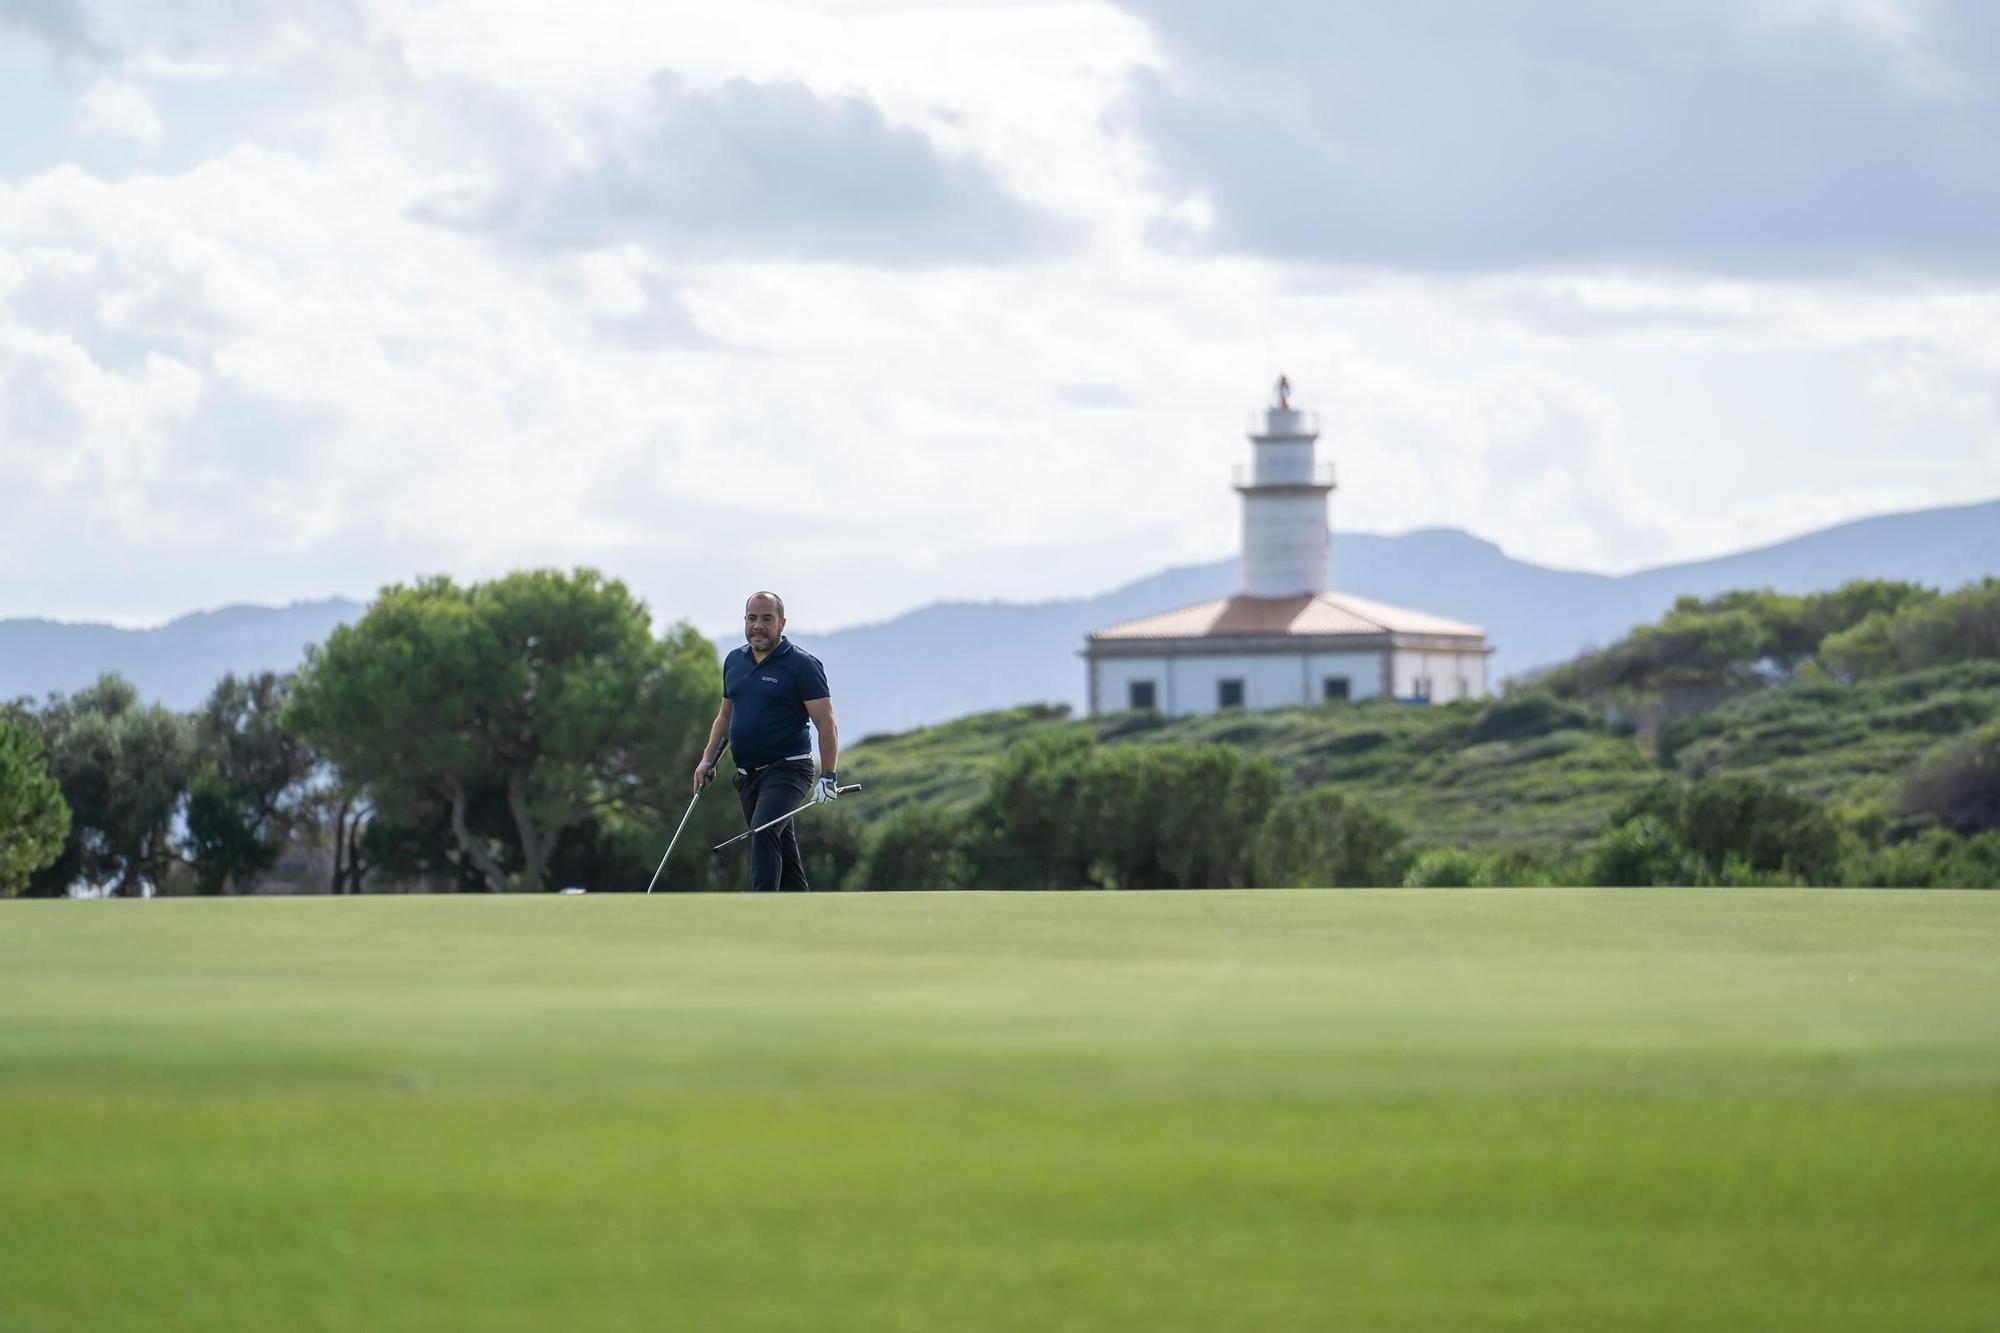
{"type": "Point", "coordinates": [1306, 615]}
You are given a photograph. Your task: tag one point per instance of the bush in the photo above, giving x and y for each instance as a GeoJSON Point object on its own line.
{"type": "Point", "coordinates": [1959, 785]}
{"type": "Point", "coordinates": [1062, 812]}
{"type": "Point", "coordinates": [1521, 717]}
{"type": "Point", "coordinates": [1024, 832]}
{"type": "Point", "coordinates": [1768, 827]}
{"type": "Point", "coordinates": [1320, 838]}
{"type": "Point", "coordinates": [1174, 816]}
{"type": "Point", "coordinates": [1524, 868]}
{"type": "Point", "coordinates": [831, 848]}
{"type": "Point", "coordinates": [1639, 853]}
{"type": "Point", "coordinates": [1934, 859]}
{"type": "Point", "coordinates": [1499, 868]}
{"type": "Point", "coordinates": [1959, 627]}
{"type": "Point", "coordinates": [1772, 831]}
{"type": "Point", "coordinates": [1444, 868]}
{"type": "Point", "coordinates": [1120, 725]}
{"type": "Point", "coordinates": [914, 847]}
{"type": "Point", "coordinates": [1736, 872]}
{"type": "Point", "coordinates": [1737, 640]}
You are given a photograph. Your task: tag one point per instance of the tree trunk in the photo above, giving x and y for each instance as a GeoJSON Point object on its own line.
{"type": "Point", "coordinates": [357, 868]}
{"type": "Point", "coordinates": [340, 843]}
{"type": "Point", "coordinates": [482, 860]}
{"type": "Point", "coordinates": [347, 867]}
{"type": "Point", "coordinates": [534, 850]}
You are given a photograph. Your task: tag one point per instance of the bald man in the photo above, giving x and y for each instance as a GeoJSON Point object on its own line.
{"type": "Point", "coordinates": [770, 689]}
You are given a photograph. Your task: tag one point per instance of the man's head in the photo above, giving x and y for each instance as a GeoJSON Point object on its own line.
{"type": "Point", "coordinates": [763, 621]}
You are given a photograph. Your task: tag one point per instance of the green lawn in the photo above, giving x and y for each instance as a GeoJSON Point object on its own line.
{"type": "Point", "coordinates": [1440, 1110]}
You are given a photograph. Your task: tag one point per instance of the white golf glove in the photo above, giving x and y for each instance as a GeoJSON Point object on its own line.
{"type": "Point", "coordinates": [827, 788]}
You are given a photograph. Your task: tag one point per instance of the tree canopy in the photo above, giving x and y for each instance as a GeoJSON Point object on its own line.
{"type": "Point", "coordinates": [34, 819]}
{"type": "Point", "coordinates": [123, 767]}
{"type": "Point", "coordinates": [517, 709]}
{"type": "Point", "coordinates": [248, 795]}
{"type": "Point", "coordinates": [1732, 641]}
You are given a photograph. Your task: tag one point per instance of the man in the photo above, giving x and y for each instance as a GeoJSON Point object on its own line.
{"type": "Point", "coordinates": [770, 690]}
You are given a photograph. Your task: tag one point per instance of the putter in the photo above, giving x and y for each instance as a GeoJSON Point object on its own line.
{"type": "Point", "coordinates": [684, 819]}
{"type": "Point", "coordinates": [852, 786]}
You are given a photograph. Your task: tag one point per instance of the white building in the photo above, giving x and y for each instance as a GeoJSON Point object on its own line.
{"type": "Point", "coordinates": [1286, 639]}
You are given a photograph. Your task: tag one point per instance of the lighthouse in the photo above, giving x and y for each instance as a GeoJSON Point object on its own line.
{"type": "Point", "coordinates": [1284, 490]}
{"type": "Point", "coordinates": [1287, 639]}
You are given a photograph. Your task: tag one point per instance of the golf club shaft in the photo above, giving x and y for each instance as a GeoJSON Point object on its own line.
{"type": "Point", "coordinates": [852, 786]}
{"type": "Point", "coordinates": [670, 844]}
{"type": "Point", "coordinates": [684, 819]}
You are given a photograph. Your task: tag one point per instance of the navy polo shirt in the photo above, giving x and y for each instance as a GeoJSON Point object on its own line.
{"type": "Point", "coordinates": [767, 702]}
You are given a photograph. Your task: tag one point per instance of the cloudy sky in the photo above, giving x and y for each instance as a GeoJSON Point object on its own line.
{"type": "Point", "coordinates": [881, 303]}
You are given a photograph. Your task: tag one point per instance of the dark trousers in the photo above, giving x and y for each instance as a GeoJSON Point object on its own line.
{"type": "Point", "coordinates": [774, 854]}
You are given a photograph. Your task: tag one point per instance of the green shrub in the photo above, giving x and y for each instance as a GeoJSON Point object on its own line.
{"type": "Point", "coordinates": [1526, 715]}
{"type": "Point", "coordinates": [1935, 859]}
{"type": "Point", "coordinates": [1641, 852]}
{"type": "Point", "coordinates": [1024, 833]}
{"type": "Point", "coordinates": [1445, 868]}
{"type": "Point", "coordinates": [832, 848]}
{"type": "Point", "coordinates": [1524, 868]}
{"type": "Point", "coordinates": [1959, 784]}
{"type": "Point", "coordinates": [1173, 816]}
{"type": "Point", "coordinates": [1962, 626]}
{"type": "Point", "coordinates": [1063, 812]}
{"type": "Point", "coordinates": [1736, 872]}
{"type": "Point", "coordinates": [1769, 828]}
{"type": "Point", "coordinates": [1120, 725]}
{"type": "Point", "coordinates": [914, 847]}
{"type": "Point", "coordinates": [1499, 868]}
{"type": "Point", "coordinates": [1320, 838]}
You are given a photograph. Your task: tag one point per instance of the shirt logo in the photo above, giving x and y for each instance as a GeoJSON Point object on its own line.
{"type": "Point", "coordinates": [772, 679]}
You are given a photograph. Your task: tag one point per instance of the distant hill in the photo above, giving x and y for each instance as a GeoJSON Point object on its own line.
{"type": "Point", "coordinates": [952, 658]}
{"type": "Point", "coordinates": [178, 663]}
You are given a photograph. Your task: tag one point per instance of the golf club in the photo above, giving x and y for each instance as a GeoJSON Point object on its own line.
{"type": "Point", "coordinates": [684, 819]}
{"type": "Point", "coordinates": [852, 786]}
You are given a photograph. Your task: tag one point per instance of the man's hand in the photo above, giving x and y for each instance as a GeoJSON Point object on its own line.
{"type": "Point", "coordinates": [704, 773]}
{"type": "Point", "coordinates": [827, 788]}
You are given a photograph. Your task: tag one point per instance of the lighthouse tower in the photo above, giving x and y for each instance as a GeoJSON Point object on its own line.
{"type": "Point", "coordinates": [1284, 494]}
{"type": "Point", "coordinates": [1286, 640]}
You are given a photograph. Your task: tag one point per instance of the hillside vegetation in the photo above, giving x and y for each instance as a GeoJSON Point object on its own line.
{"type": "Point", "coordinates": [1877, 707]}
{"type": "Point", "coordinates": [533, 733]}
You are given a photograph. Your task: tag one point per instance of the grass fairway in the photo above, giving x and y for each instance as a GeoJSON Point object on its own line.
{"type": "Point", "coordinates": [1255, 1111]}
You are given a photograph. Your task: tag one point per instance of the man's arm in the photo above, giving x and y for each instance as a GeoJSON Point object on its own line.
{"type": "Point", "coordinates": [821, 713]}
{"type": "Point", "coordinates": [718, 732]}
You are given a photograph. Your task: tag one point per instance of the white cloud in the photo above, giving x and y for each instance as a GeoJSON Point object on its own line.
{"type": "Point", "coordinates": [120, 110]}
{"type": "Point", "coordinates": [1707, 136]}
{"type": "Point", "coordinates": [757, 167]}
{"type": "Point", "coordinates": [267, 377]}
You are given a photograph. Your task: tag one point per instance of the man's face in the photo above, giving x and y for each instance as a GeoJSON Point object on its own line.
{"type": "Point", "coordinates": [762, 624]}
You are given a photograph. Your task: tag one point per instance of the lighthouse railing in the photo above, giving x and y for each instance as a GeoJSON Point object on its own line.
{"type": "Point", "coordinates": [1250, 476]}
{"type": "Point", "coordinates": [1271, 424]}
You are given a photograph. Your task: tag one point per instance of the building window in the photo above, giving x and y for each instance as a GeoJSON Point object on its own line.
{"type": "Point", "coordinates": [1464, 688]}
{"type": "Point", "coordinates": [1229, 694]}
{"type": "Point", "coordinates": [1142, 695]}
{"type": "Point", "coordinates": [1423, 688]}
{"type": "Point", "coordinates": [1334, 687]}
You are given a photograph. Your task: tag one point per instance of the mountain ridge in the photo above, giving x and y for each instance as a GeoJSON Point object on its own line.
{"type": "Point", "coordinates": [983, 655]}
